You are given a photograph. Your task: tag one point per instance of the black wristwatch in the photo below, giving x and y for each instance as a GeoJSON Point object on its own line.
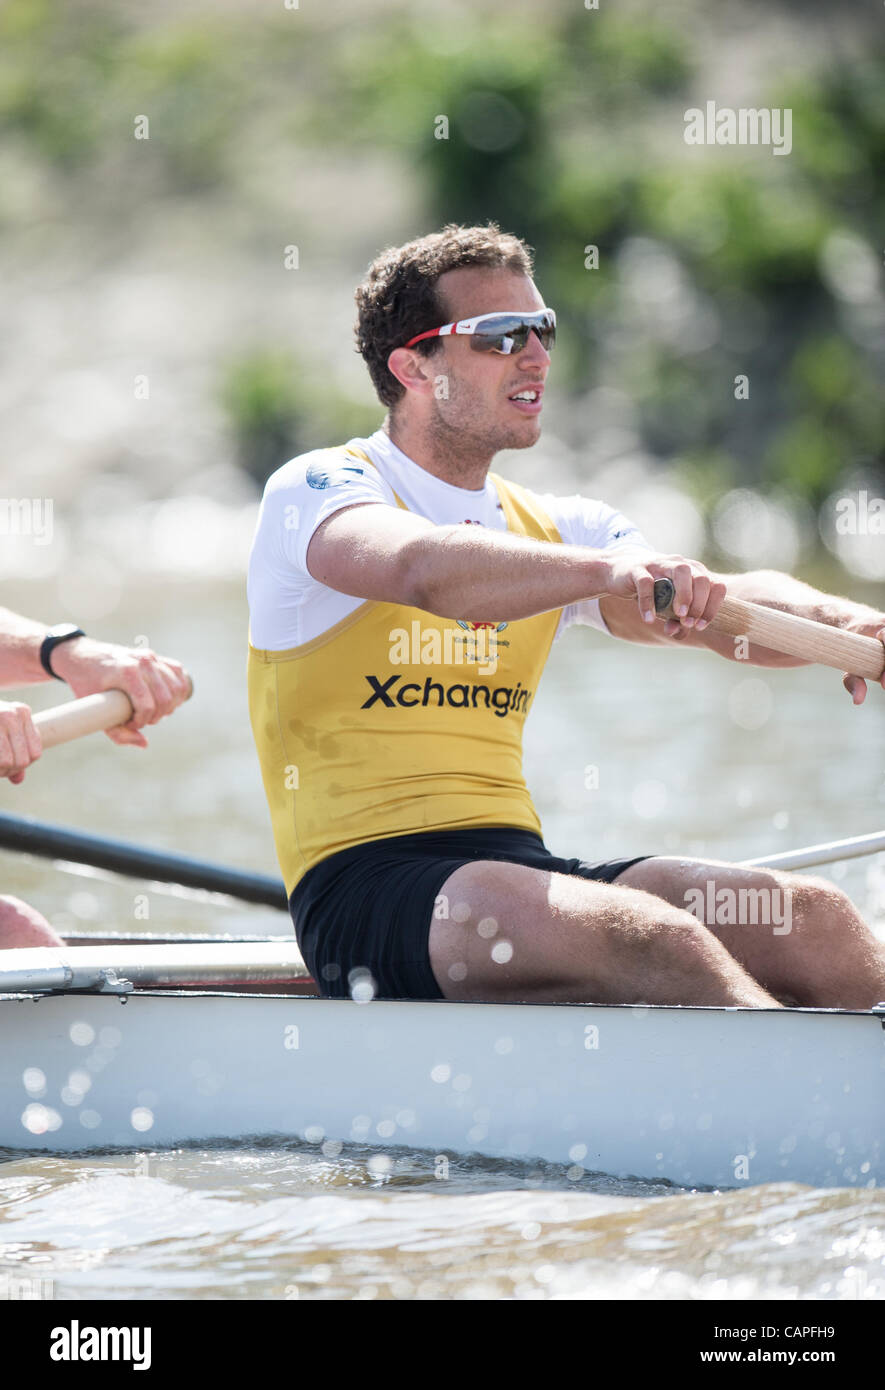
{"type": "Point", "coordinates": [62, 632]}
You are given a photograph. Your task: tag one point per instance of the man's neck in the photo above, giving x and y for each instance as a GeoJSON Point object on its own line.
{"type": "Point", "coordinates": [442, 452]}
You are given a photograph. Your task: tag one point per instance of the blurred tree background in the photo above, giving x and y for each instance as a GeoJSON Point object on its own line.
{"type": "Point", "coordinates": [316, 128]}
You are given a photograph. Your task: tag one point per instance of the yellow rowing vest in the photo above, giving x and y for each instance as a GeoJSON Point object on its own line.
{"type": "Point", "coordinates": [397, 721]}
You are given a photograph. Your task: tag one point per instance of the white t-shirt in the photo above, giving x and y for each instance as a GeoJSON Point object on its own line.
{"type": "Point", "coordinates": [288, 607]}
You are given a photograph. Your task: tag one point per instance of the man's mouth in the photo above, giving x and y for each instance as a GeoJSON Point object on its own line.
{"type": "Point", "coordinates": [527, 399]}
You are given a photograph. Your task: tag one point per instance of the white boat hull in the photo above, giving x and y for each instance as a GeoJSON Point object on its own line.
{"type": "Point", "coordinates": [702, 1097]}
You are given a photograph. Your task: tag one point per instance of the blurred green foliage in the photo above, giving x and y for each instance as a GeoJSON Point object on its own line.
{"type": "Point", "coordinates": [278, 406]}
{"type": "Point", "coordinates": [564, 126]}
{"type": "Point", "coordinates": [557, 140]}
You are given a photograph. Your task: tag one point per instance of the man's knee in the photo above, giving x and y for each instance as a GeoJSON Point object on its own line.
{"type": "Point", "coordinates": [650, 921]}
{"type": "Point", "coordinates": [818, 906]}
{"type": "Point", "coordinates": [22, 925]}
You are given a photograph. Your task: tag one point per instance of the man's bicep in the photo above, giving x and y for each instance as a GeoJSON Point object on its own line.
{"type": "Point", "coordinates": [367, 550]}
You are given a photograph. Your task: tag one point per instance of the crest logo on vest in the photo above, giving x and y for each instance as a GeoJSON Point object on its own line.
{"type": "Point", "coordinates": [475, 645]}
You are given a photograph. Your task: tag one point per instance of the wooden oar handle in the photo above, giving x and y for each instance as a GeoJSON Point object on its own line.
{"type": "Point", "coordinates": [789, 634]}
{"type": "Point", "coordinates": [89, 715]}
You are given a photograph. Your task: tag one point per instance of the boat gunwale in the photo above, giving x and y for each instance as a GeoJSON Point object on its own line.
{"type": "Point", "coordinates": [195, 992]}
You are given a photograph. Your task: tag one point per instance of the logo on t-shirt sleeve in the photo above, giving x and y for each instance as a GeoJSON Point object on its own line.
{"type": "Point", "coordinates": [626, 532]}
{"type": "Point", "coordinates": [323, 475]}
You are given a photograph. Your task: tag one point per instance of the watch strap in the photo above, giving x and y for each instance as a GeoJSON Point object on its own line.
{"type": "Point", "coordinates": [64, 632]}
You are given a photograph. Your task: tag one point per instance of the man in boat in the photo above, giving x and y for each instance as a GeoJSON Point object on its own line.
{"type": "Point", "coordinates": [403, 602]}
{"type": "Point", "coordinates": [31, 653]}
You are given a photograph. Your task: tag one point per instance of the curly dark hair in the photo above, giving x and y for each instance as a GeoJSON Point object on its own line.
{"type": "Point", "coordinates": [398, 297]}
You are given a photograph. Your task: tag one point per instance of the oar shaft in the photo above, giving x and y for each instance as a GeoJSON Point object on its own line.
{"type": "Point", "coordinates": [790, 635]}
{"type": "Point", "coordinates": [29, 836]}
{"type": "Point", "coordinates": [90, 715]}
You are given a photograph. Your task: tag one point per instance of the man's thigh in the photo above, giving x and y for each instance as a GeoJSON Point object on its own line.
{"type": "Point", "coordinates": [515, 932]}
{"type": "Point", "coordinates": [751, 911]}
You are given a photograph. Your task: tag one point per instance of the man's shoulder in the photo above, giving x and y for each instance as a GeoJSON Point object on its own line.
{"type": "Point", "coordinates": [572, 501]}
{"type": "Point", "coordinates": [561, 504]}
{"type": "Point", "coordinates": [320, 469]}
{"type": "Point", "coordinates": [587, 520]}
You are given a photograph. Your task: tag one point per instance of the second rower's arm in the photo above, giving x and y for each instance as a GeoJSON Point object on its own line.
{"type": "Point", "coordinates": [771, 589]}
{"type": "Point", "coordinates": [155, 685]}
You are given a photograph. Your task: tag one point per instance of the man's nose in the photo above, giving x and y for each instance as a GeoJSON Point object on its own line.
{"type": "Point", "coordinates": [534, 351]}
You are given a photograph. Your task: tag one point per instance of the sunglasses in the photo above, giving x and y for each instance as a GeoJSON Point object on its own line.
{"type": "Point", "coordinates": [503, 332]}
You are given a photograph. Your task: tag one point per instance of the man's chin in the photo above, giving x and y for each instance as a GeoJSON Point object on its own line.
{"type": "Point", "coordinates": [527, 433]}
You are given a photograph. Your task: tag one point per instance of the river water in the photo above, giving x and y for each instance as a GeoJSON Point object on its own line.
{"type": "Point", "coordinates": [689, 755]}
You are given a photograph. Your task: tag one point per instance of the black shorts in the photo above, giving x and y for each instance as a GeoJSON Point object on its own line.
{"type": "Point", "coordinates": [370, 907]}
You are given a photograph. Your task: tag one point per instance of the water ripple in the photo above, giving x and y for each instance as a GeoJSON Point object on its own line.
{"type": "Point", "coordinates": [279, 1223]}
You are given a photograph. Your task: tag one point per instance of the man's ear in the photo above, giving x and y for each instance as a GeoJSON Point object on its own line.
{"type": "Point", "coordinates": [411, 370]}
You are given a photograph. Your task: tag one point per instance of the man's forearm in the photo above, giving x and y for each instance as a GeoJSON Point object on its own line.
{"type": "Point", "coordinates": [20, 641]}
{"type": "Point", "coordinates": [471, 572]}
{"type": "Point", "coordinates": [773, 589]}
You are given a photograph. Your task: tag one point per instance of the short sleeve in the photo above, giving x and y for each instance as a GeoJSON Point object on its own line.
{"type": "Point", "coordinates": [587, 521]}
{"type": "Point", "coordinates": [304, 492]}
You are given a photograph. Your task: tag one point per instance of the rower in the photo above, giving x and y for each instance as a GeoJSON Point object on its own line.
{"type": "Point", "coordinates": [30, 654]}
{"type": "Point", "coordinates": [410, 847]}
